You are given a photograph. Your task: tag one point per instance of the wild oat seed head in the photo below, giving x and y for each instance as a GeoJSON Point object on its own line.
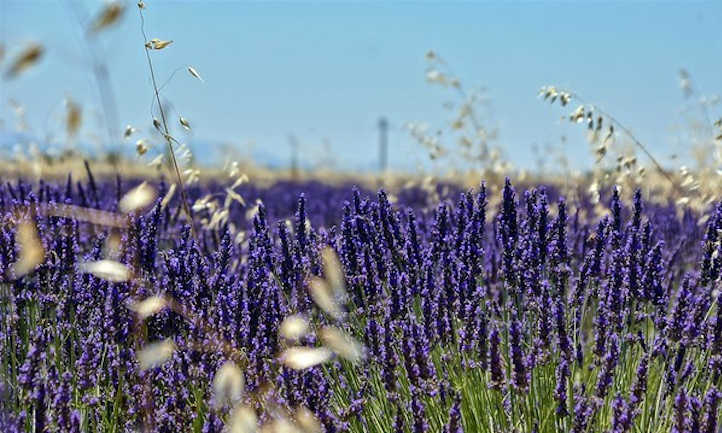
{"type": "Point", "coordinates": [137, 198]}
{"type": "Point", "coordinates": [323, 296]}
{"type": "Point", "coordinates": [228, 384]}
{"type": "Point", "coordinates": [74, 118]}
{"type": "Point", "coordinates": [157, 44]}
{"type": "Point", "coordinates": [140, 147]}
{"type": "Point", "coordinates": [333, 272]}
{"type": "Point", "coordinates": [27, 58]}
{"type": "Point", "coordinates": [280, 425]}
{"type": "Point", "coordinates": [301, 358]}
{"type": "Point", "coordinates": [184, 123]}
{"type": "Point", "coordinates": [31, 252]}
{"type": "Point", "coordinates": [435, 76]}
{"type": "Point", "coordinates": [342, 344]}
{"type": "Point", "coordinates": [112, 245]}
{"type": "Point", "coordinates": [194, 73]}
{"type": "Point", "coordinates": [155, 354]}
{"type": "Point", "coordinates": [232, 195]}
{"type": "Point", "coordinates": [108, 270]}
{"type": "Point", "coordinates": [168, 196]}
{"type": "Point", "coordinates": [294, 327]}
{"type": "Point", "coordinates": [307, 421]}
{"type": "Point", "coordinates": [149, 306]}
{"type": "Point", "coordinates": [109, 15]}
{"type": "Point", "coordinates": [243, 419]}
{"type": "Point", "coordinates": [157, 161]}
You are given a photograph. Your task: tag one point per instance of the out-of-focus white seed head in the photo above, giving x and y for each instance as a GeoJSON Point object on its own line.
{"type": "Point", "coordinates": [217, 218]}
{"type": "Point", "coordinates": [109, 15]}
{"type": "Point", "coordinates": [27, 58]}
{"type": "Point", "coordinates": [192, 176]}
{"type": "Point", "coordinates": [235, 196]}
{"type": "Point", "coordinates": [149, 306]}
{"type": "Point", "coordinates": [300, 358]}
{"type": "Point", "coordinates": [74, 118]}
{"type": "Point", "coordinates": [240, 237]}
{"type": "Point", "coordinates": [307, 421]}
{"type": "Point", "coordinates": [31, 252]}
{"type": "Point", "coordinates": [168, 196]}
{"type": "Point", "coordinates": [155, 354]}
{"type": "Point", "coordinates": [137, 198]}
{"type": "Point", "coordinates": [435, 76]}
{"type": "Point", "coordinates": [228, 385]}
{"type": "Point", "coordinates": [253, 210]}
{"type": "Point", "coordinates": [242, 178]}
{"type": "Point", "coordinates": [112, 245]}
{"type": "Point", "coordinates": [334, 272]}
{"type": "Point", "coordinates": [294, 327]}
{"type": "Point", "coordinates": [280, 425]}
{"type": "Point", "coordinates": [682, 201]}
{"type": "Point", "coordinates": [243, 419]}
{"type": "Point", "coordinates": [157, 161]}
{"type": "Point", "coordinates": [109, 270]}
{"type": "Point", "coordinates": [342, 344]}
{"type": "Point", "coordinates": [324, 298]}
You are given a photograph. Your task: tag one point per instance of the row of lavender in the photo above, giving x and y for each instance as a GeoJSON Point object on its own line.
{"type": "Point", "coordinates": [529, 317]}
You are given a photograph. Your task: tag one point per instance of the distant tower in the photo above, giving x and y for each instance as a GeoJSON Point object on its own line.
{"type": "Point", "coordinates": [383, 143]}
{"type": "Point", "coordinates": [294, 156]}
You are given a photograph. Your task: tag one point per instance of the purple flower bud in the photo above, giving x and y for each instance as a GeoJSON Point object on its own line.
{"type": "Point", "coordinates": [560, 392]}
{"type": "Point", "coordinates": [454, 424]}
{"type": "Point", "coordinates": [621, 415]}
{"type": "Point", "coordinates": [495, 365]}
{"type": "Point", "coordinates": [711, 402]}
{"type": "Point", "coordinates": [418, 409]}
{"type": "Point", "coordinates": [639, 388]}
{"type": "Point", "coordinates": [584, 410]}
{"type": "Point", "coordinates": [606, 373]}
{"type": "Point", "coordinates": [519, 374]}
{"type": "Point", "coordinates": [681, 421]}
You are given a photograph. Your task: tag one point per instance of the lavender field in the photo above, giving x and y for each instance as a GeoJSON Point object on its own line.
{"type": "Point", "coordinates": [334, 310]}
{"type": "Point", "coordinates": [360, 217]}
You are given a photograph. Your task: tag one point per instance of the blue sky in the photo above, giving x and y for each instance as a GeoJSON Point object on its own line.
{"type": "Point", "coordinates": [326, 71]}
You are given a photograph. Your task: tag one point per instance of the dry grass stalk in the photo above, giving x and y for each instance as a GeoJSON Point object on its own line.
{"type": "Point", "coordinates": [586, 112]}
{"type": "Point", "coordinates": [166, 132]}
